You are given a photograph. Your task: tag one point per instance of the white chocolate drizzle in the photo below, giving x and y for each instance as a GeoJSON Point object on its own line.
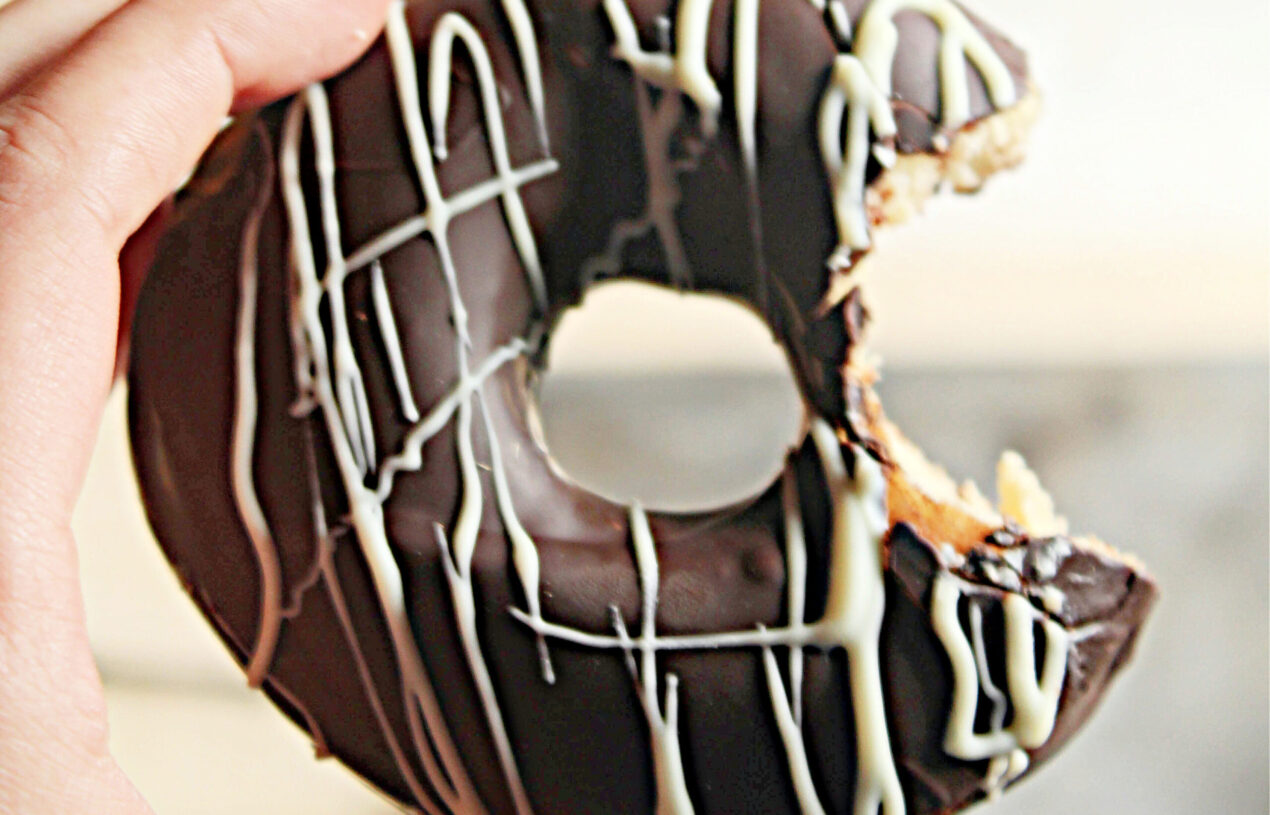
{"type": "Point", "coordinates": [392, 342]}
{"type": "Point", "coordinates": [410, 457]}
{"type": "Point", "coordinates": [745, 45]}
{"type": "Point", "coordinates": [683, 73]}
{"type": "Point", "coordinates": [853, 612]}
{"type": "Point", "coordinates": [335, 592]}
{"type": "Point", "coordinates": [876, 40]}
{"type": "Point", "coordinates": [329, 381]}
{"type": "Point", "coordinates": [1034, 699]}
{"type": "Point", "coordinates": [426, 721]}
{"type": "Point", "coordinates": [1004, 769]}
{"type": "Point", "coordinates": [454, 26]}
{"type": "Point", "coordinates": [524, 550]}
{"type": "Point", "coordinates": [350, 390]}
{"type": "Point", "coordinates": [526, 40]}
{"type": "Point", "coordinates": [859, 96]}
{"type": "Point", "coordinates": [686, 70]}
{"type": "Point", "coordinates": [791, 736]}
{"type": "Point", "coordinates": [332, 384]}
{"type": "Point", "coordinates": [795, 583]}
{"type": "Point", "coordinates": [663, 725]}
{"type": "Point", "coordinates": [459, 546]}
{"type": "Point", "coordinates": [840, 19]}
{"type": "Point", "coordinates": [852, 621]}
{"type": "Point", "coordinates": [458, 204]}
{"type": "Point", "coordinates": [857, 99]}
{"type": "Point", "coordinates": [243, 442]}
{"type": "Point", "coordinates": [657, 126]}
{"type": "Point", "coordinates": [854, 100]}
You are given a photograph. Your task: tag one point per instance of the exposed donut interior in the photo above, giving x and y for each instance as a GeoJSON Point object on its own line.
{"type": "Point", "coordinates": [921, 492]}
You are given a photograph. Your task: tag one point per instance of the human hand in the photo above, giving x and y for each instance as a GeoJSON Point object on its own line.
{"type": "Point", "coordinates": [104, 106]}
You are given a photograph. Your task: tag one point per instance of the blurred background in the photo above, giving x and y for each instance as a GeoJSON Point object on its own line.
{"type": "Point", "coordinates": [1103, 310]}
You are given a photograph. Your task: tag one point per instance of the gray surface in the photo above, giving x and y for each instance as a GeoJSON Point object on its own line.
{"type": "Point", "coordinates": [1168, 464]}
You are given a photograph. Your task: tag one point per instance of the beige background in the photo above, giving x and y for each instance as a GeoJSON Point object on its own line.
{"type": "Point", "coordinates": [1136, 233]}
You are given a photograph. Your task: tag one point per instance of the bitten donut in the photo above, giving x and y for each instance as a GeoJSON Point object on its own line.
{"type": "Point", "coordinates": [335, 435]}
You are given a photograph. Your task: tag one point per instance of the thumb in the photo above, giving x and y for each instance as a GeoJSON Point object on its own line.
{"type": "Point", "coordinates": [88, 147]}
{"type": "Point", "coordinates": [127, 111]}
{"type": "Point", "coordinates": [87, 150]}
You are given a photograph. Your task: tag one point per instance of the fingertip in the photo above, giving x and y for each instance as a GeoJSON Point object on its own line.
{"type": "Point", "coordinates": [335, 33]}
{"type": "Point", "coordinates": [142, 95]}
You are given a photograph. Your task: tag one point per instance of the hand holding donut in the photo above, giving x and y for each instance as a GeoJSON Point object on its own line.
{"type": "Point", "coordinates": [332, 418]}
{"type": "Point", "coordinates": [105, 105]}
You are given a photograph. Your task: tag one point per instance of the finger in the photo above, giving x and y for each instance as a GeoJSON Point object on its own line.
{"type": "Point", "coordinates": [87, 150]}
{"type": "Point", "coordinates": [34, 32]}
{"type": "Point", "coordinates": [110, 128]}
{"type": "Point", "coordinates": [134, 261]}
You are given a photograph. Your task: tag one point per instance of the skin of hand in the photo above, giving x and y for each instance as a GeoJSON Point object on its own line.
{"type": "Point", "coordinates": [105, 105]}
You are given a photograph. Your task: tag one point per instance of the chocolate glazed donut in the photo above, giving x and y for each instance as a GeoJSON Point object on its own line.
{"type": "Point", "coordinates": [333, 425]}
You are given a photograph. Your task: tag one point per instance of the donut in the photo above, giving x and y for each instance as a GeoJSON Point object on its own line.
{"type": "Point", "coordinates": [333, 421]}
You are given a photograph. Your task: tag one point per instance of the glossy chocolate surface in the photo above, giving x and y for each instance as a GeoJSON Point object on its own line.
{"type": "Point", "coordinates": [580, 743]}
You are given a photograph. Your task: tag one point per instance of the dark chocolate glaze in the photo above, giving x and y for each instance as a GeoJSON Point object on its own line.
{"type": "Point", "coordinates": [580, 744]}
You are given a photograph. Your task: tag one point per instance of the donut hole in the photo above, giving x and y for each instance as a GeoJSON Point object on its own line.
{"type": "Point", "coordinates": [684, 402]}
